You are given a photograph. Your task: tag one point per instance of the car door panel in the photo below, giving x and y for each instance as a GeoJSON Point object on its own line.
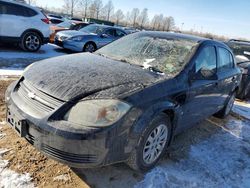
{"type": "Point", "coordinates": [203, 94]}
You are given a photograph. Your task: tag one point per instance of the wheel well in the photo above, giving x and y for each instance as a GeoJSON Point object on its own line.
{"type": "Point", "coordinates": [35, 31]}
{"type": "Point", "coordinates": [170, 113]}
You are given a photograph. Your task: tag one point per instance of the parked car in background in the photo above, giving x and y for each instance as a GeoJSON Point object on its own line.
{"type": "Point", "coordinates": [89, 38]}
{"type": "Point", "coordinates": [124, 102]}
{"type": "Point", "coordinates": [66, 25]}
{"type": "Point", "coordinates": [54, 19]}
{"type": "Point", "coordinates": [23, 24]}
{"type": "Point", "coordinates": [242, 51]}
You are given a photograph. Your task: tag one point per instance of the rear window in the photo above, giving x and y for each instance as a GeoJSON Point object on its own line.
{"type": "Point", "coordinates": [16, 10]}
{"type": "Point", "coordinates": [225, 59]}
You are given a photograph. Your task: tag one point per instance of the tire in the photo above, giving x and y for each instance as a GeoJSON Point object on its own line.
{"type": "Point", "coordinates": [227, 108]}
{"type": "Point", "coordinates": [244, 93]}
{"type": "Point", "coordinates": [89, 47]}
{"type": "Point", "coordinates": [144, 157]}
{"type": "Point", "coordinates": [31, 41]}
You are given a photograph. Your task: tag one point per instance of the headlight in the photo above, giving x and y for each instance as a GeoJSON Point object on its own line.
{"type": "Point", "coordinates": [97, 113]}
{"type": "Point", "coordinates": [78, 38]}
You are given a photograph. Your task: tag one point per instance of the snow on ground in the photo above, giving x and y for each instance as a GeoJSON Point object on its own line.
{"type": "Point", "coordinates": [9, 178]}
{"type": "Point", "coordinates": [242, 108]}
{"type": "Point", "coordinates": [13, 60]}
{"type": "Point", "coordinates": [46, 51]}
{"type": "Point", "coordinates": [221, 160]}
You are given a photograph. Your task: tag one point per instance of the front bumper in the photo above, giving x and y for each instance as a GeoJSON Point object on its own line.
{"type": "Point", "coordinates": [85, 149]}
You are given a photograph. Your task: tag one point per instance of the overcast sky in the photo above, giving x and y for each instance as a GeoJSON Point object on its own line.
{"type": "Point", "coordinates": [224, 17]}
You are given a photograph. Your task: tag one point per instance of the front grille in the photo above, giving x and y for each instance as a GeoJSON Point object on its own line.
{"type": "Point", "coordinates": [69, 157]}
{"type": "Point", "coordinates": [37, 100]}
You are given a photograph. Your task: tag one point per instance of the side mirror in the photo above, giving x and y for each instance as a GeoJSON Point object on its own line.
{"type": "Point", "coordinates": [104, 35]}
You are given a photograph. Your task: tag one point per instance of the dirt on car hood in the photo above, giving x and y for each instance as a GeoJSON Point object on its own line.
{"type": "Point", "coordinates": [73, 77]}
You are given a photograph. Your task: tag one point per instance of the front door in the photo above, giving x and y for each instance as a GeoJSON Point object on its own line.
{"type": "Point", "coordinates": [202, 97]}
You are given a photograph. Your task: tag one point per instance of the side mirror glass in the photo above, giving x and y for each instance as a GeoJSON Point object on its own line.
{"type": "Point", "coordinates": [203, 74]}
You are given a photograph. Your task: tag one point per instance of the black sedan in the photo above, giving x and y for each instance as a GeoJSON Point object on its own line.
{"type": "Point", "coordinates": [242, 51]}
{"type": "Point", "coordinates": [126, 101]}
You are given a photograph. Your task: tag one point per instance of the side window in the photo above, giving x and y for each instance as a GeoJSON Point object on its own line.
{"type": "Point", "coordinates": [120, 33]}
{"type": "Point", "coordinates": [205, 63]}
{"type": "Point", "coordinates": [110, 32]}
{"type": "Point", "coordinates": [17, 10]}
{"type": "Point", "coordinates": [225, 59]}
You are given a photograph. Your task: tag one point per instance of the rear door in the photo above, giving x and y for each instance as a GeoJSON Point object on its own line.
{"type": "Point", "coordinates": [227, 74]}
{"type": "Point", "coordinates": [202, 96]}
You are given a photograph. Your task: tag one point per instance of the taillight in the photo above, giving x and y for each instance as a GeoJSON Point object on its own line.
{"type": "Point", "coordinates": [45, 20]}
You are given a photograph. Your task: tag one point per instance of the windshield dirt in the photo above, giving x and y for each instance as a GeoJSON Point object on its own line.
{"type": "Point", "coordinates": [167, 55]}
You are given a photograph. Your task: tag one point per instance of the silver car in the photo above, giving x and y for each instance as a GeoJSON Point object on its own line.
{"type": "Point", "coordinates": [89, 38]}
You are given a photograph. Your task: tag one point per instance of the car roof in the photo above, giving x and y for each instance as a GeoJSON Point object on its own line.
{"type": "Point", "coordinates": [174, 35]}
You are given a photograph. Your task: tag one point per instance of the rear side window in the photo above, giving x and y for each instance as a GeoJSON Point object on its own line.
{"type": "Point", "coordinates": [111, 32]}
{"type": "Point", "coordinates": [225, 59]}
{"type": "Point", "coordinates": [206, 60]}
{"type": "Point", "coordinates": [16, 10]}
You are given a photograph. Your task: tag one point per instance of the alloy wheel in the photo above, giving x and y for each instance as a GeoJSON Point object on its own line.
{"type": "Point", "coordinates": [155, 144]}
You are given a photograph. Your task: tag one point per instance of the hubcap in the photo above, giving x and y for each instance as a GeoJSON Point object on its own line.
{"type": "Point", "coordinates": [230, 104]}
{"type": "Point", "coordinates": [32, 42]}
{"type": "Point", "coordinates": [155, 144]}
{"type": "Point", "coordinates": [89, 48]}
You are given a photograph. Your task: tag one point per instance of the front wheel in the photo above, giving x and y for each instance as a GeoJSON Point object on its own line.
{"type": "Point", "coordinates": [152, 144]}
{"type": "Point", "coordinates": [227, 108]}
{"type": "Point", "coordinates": [31, 42]}
{"type": "Point", "coordinates": [89, 47]}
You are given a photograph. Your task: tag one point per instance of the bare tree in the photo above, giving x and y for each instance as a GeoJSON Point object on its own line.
{"type": "Point", "coordinates": [143, 18]}
{"type": "Point", "coordinates": [30, 2]}
{"type": "Point", "coordinates": [168, 23]}
{"type": "Point", "coordinates": [95, 8]}
{"type": "Point", "coordinates": [154, 22]}
{"type": "Point", "coordinates": [134, 15]}
{"type": "Point", "coordinates": [108, 8]}
{"type": "Point", "coordinates": [119, 16]}
{"type": "Point", "coordinates": [70, 5]}
{"type": "Point", "coordinates": [85, 4]}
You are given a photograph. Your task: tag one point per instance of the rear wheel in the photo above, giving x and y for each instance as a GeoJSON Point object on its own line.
{"type": "Point", "coordinates": [227, 108]}
{"type": "Point", "coordinates": [31, 41]}
{"type": "Point", "coordinates": [152, 144]}
{"type": "Point", "coordinates": [89, 47]}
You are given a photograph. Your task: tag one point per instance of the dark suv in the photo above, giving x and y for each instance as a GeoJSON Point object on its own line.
{"type": "Point", "coordinates": [126, 101]}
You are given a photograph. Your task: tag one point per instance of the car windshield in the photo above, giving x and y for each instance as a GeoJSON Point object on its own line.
{"type": "Point", "coordinates": [66, 24]}
{"type": "Point", "coordinates": [93, 29]}
{"type": "Point", "coordinates": [167, 55]}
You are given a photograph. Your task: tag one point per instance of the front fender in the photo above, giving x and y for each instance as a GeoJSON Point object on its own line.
{"type": "Point", "coordinates": [147, 116]}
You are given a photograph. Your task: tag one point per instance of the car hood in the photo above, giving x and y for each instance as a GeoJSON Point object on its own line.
{"type": "Point", "coordinates": [74, 77]}
{"type": "Point", "coordinates": [72, 33]}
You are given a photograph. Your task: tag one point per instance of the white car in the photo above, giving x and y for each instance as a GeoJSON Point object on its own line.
{"type": "Point", "coordinates": [23, 24]}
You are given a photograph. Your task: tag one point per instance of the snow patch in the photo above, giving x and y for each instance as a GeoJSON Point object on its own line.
{"type": "Point", "coordinates": [63, 177]}
{"type": "Point", "coordinates": [221, 160]}
{"type": "Point", "coordinates": [46, 51]}
{"type": "Point", "coordinates": [9, 178]}
{"type": "Point", "coordinates": [242, 108]}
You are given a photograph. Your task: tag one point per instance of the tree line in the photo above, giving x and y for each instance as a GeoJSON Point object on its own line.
{"type": "Point", "coordinates": [135, 18]}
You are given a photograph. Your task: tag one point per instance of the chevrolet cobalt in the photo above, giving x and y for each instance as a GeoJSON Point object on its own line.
{"type": "Point", "coordinates": [125, 102]}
